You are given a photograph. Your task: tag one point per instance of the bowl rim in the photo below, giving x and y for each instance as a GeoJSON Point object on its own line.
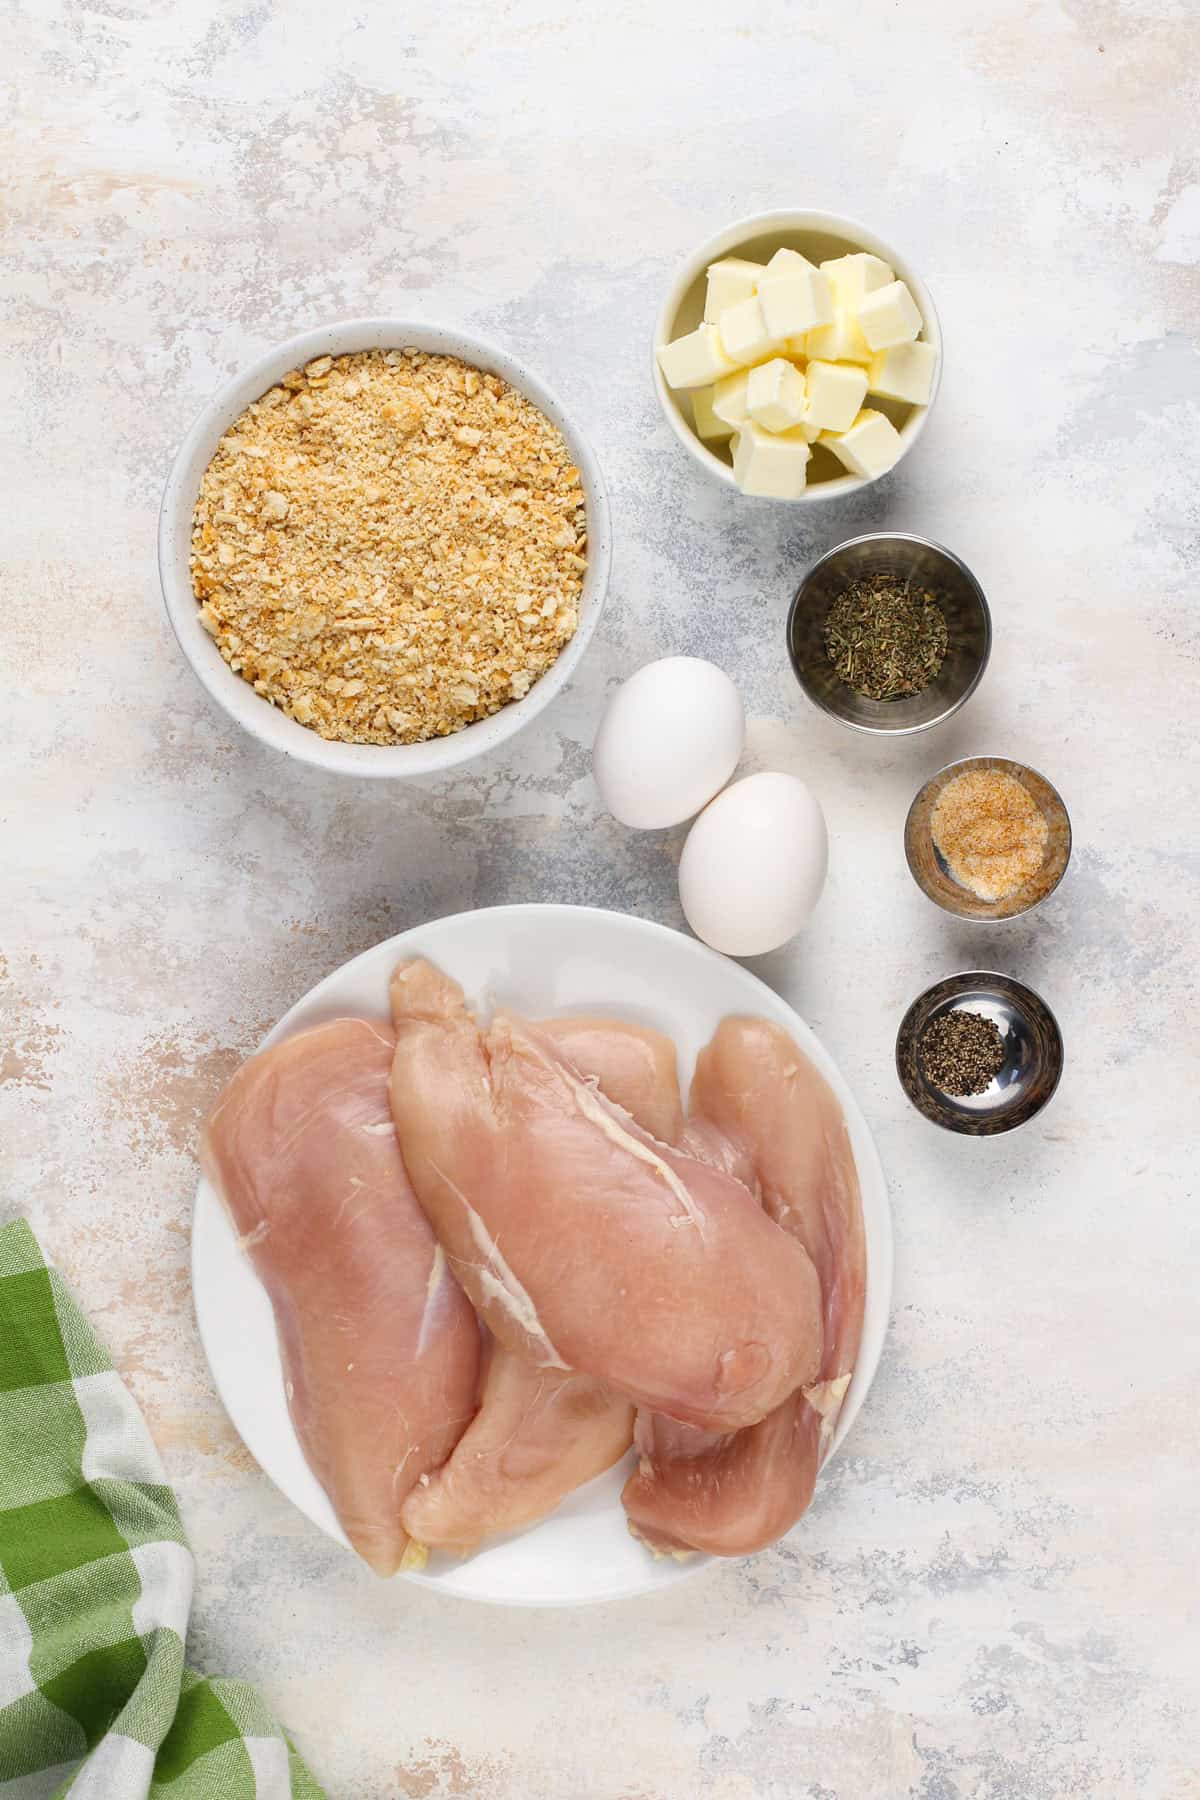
{"type": "Point", "coordinates": [236, 697]}
{"type": "Point", "coordinates": [1012, 765]}
{"type": "Point", "coordinates": [728, 239]}
{"type": "Point", "coordinates": [882, 730]}
{"type": "Point", "coordinates": [979, 978]}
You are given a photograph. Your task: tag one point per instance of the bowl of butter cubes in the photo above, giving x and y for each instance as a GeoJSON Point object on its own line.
{"type": "Point", "coordinates": [796, 356]}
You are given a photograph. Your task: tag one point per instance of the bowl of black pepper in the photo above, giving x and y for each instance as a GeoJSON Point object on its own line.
{"type": "Point", "coordinates": [889, 633]}
{"type": "Point", "coordinates": [979, 1053]}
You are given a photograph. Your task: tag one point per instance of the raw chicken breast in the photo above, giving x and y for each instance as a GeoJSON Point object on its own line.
{"type": "Point", "coordinates": [540, 1433]}
{"type": "Point", "coordinates": [582, 1241]}
{"type": "Point", "coordinates": [380, 1347]}
{"type": "Point", "coordinates": [760, 1109]}
{"type": "Point", "coordinates": [635, 1067]}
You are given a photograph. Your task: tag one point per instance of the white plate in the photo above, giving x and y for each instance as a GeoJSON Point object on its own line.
{"type": "Point", "coordinates": [541, 960]}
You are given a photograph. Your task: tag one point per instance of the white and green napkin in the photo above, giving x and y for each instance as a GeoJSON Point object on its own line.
{"type": "Point", "coordinates": [96, 1700]}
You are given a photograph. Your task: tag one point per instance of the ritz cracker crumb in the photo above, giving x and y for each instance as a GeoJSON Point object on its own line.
{"type": "Point", "coordinates": [390, 545]}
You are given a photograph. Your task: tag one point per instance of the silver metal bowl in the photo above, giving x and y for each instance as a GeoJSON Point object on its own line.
{"type": "Point", "coordinates": [928, 867]}
{"type": "Point", "coordinates": [902, 554]}
{"type": "Point", "coordinates": [1033, 1053]}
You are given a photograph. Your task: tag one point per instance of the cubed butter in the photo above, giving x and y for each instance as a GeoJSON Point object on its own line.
{"type": "Point", "coordinates": [852, 278]}
{"type": "Point", "coordinates": [707, 423]}
{"type": "Point", "coordinates": [729, 398]}
{"type": "Point", "coordinates": [888, 315]}
{"type": "Point", "coordinates": [905, 372]}
{"type": "Point", "coordinates": [744, 335]}
{"type": "Point", "coordinates": [840, 342]}
{"type": "Point", "coordinates": [869, 448]}
{"type": "Point", "coordinates": [795, 300]}
{"type": "Point", "coordinates": [769, 464]}
{"type": "Point", "coordinates": [807, 434]}
{"type": "Point", "coordinates": [696, 360]}
{"type": "Point", "coordinates": [730, 281]}
{"type": "Point", "coordinates": [786, 262]}
{"type": "Point", "coordinates": [775, 396]}
{"type": "Point", "coordinates": [834, 392]}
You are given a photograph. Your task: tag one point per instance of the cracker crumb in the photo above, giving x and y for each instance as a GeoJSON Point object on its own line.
{"type": "Point", "coordinates": [390, 545]}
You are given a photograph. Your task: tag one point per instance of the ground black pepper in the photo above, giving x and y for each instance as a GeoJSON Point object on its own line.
{"type": "Point", "coordinates": [961, 1052]}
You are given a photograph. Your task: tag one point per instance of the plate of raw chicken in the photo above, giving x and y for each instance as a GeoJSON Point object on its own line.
{"type": "Point", "coordinates": [542, 1254]}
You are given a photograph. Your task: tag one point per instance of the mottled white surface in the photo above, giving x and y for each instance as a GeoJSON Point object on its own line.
{"type": "Point", "coordinates": [991, 1596]}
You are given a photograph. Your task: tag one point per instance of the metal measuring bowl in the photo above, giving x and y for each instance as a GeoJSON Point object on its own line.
{"type": "Point", "coordinates": [902, 554]}
{"type": "Point", "coordinates": [928, 867]}
{"type": "Point", "coordinates": [1033, 1054]}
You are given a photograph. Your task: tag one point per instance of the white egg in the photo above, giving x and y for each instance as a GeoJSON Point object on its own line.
{"type": "Point", "coordinates": [669, 740]}
{"type": "Point", "coordinates": [754, 864]}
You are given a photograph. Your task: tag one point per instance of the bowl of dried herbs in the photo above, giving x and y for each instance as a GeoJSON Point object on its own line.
{"type": "Point", "coordinates": [889, 633]}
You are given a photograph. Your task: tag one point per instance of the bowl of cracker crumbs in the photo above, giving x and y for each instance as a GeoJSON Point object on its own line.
{"type": "Point", "coordinates": [384, 547]}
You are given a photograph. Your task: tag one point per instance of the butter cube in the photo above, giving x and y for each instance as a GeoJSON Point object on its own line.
{"type": "Point", "coordinates": [770, 464]}
{"type": "Point", "coordinates": [888, 315]}
{"type": "Point", "coordinates": [840, 342]}
{"type": "Point", "coordinates": [707, 423]}
{"type": "Point", "coordinates": [744, 334]}
{"type": "Point", "coordinates": [905, 372]}
{"type": "Point", "coordinates": [775, 396]}
{"type": "Point", "coordinates": [869, 448]}
{"type": "Point", "coordinates": [788, 262]}
{"type": "Point", "coordinates": [729, 398]}
{"type": "Point", "coordinates": [795, 300]}
{"type": "Point", "coordinates": [834, 392]}
{"type": "Point", "coordinates": [730, 281]}
{"type": "Point", "coordinates": [852, 278]}
{"type": "Point", "coordinates": [696, 360]}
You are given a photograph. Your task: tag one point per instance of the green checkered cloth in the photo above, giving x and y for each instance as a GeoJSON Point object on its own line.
{"type": "Point", "coordinates": [96, 1584]}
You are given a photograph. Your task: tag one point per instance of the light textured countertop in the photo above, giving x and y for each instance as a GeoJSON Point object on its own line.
{"type": "Point", "coordinates": [990, 1597]}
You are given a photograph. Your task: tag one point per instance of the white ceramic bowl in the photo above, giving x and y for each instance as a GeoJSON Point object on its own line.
{"type": "Point", "coordinates": [236, 696]}
{"type": "Point", "coordinates": [817, 235]}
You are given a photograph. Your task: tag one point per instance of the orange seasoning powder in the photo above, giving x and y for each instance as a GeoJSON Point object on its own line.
{"type": "Point", "coordinates": [991, 832]}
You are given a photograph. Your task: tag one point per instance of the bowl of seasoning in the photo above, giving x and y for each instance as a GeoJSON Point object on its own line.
{"type": "Point", "coordinates": [987, 838]}
{"type": "Point", "coordinates": [889, 633]}
{"type": "Point", "coordinates": [979, 1053]}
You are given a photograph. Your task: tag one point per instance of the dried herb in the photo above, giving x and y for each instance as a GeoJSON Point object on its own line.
{"type": "Point", "coordinates": [886, 637]}
{"type": "Point", "coordinates": [961, 1052]}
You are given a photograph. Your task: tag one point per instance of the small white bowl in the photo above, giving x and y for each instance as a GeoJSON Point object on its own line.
{"type": "Point", "coordinates": [817, 235]}
{"type": "Point", "coordinates": [237, 697]}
